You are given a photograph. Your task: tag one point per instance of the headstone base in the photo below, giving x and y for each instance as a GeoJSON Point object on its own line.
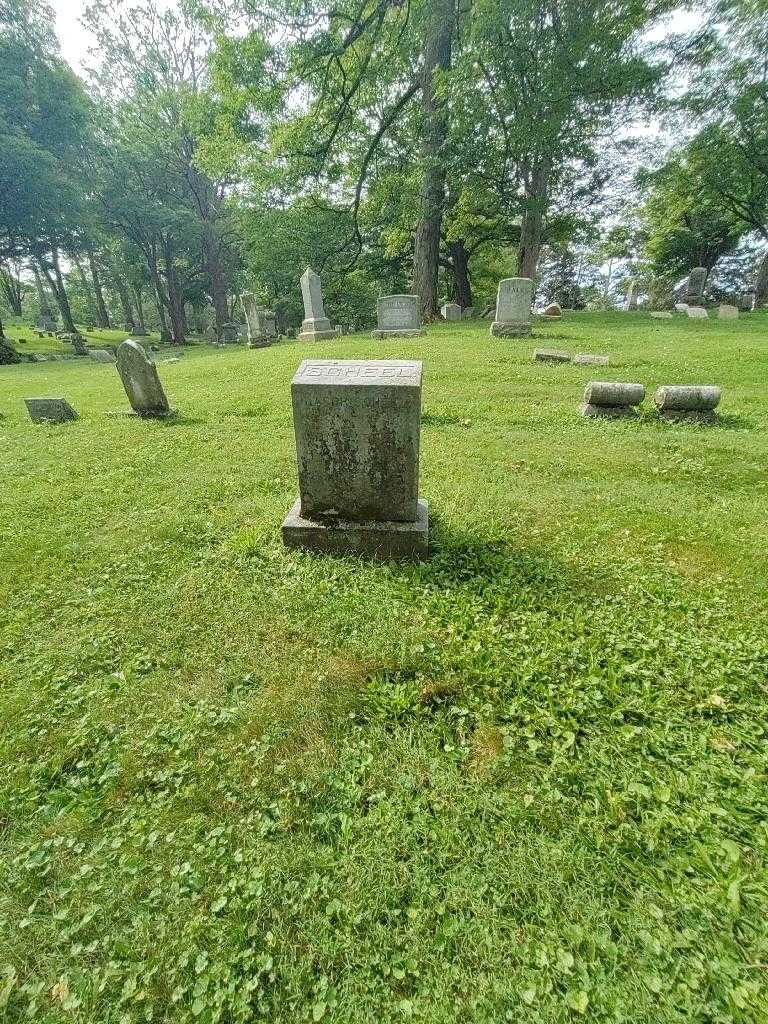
{"type": "Point", "coordinates": [372, 539]}
{"type": "Point", "coordinates": [689, 415]}
{"type": "Point", "coordinates": [500, 329]}
{"type": "Point", "coordinates": [551, 355]}
{"type": "Point", "coordinates": [610, 412]}
{"type": "Point", "coordinates": [143, 415]}
{"type": "Point", "coordinates": [416, 332]}
{"type": "Point", "coordinates": [311, 335]}
{"type": "Point", "coordinates": [550, 316]}
{"type": "Point", "coordinates": [264, 342]}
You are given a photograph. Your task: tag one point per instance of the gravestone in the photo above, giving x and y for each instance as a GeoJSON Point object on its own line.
{"type": "Point", "coordinates": [726, 312]}
{"type": "Point", "coordinates": [662, 315]}
{"type": "Point", "coordinates": [630, 303]}
{"type": "Point", "coordinates": [611, 399]}
{"type": "Point", "coordinates": [468, 313]}
{"type": "Point", "coordinates": [270, 323]}
{"type": "Point", "coordinates": [694, 290]}
{"type": "Point", "coordinates": [697, 313]}
{"type": "Point", "coordinates": [357, 427]}
{"type": "Point", "coordinates": [451, 311]}
{"type": "Point", "coordinates": [50, 410]}
{"type": "Point", "coordinates": [513, 308]}
{"type": "Point", "coordinates": [695, 402]}
{"type": "Point", "coordinates": [746, 301]}
{"type": "Point", "coordinates": [256, 323]}
{"type": "Point", "coordinates": [101, 355]}
{"type": "Point", "coordinates": [141, 381]}
{"type": "Point", "coordinates": [553, 312]}
{"type": "Point", "coordinates": [681, 307]}
{"type": "Point", "coordinates": [587, 359]}
{"type": "Point", "coordinates": [398, 316]}
{"type": "Point", "coordinates": [229, 333]}
{"type": "Point", "coordinates": [316, 324]}
{"type": "Point", "coordinates": [551, 355]}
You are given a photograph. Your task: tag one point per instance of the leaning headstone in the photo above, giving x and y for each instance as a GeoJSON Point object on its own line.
{"type": "Point", "coordinates": [316, 324]}
{"type": "Point", "coordinates": [611, 399]}
{"type": "Point", "coordinates": [553, 312]}
{"type": "Point", "coordinates": [256, 325]}
{"type": "Point", "coordinates": [726, 312]}
{"type": "Point", "coordinates": [451, 311]}
{"type": "Point", "coordinates": [694, 290]}
{"type": "Point", "coordinates": [398, 316]}
{"type": "Point", "coordinates": [630, 303]}
{"type": "Point", "coordinates": [513, 308]}
{"type": "Point", "coordinates": [50, 410]}
{"type": "Point", "coordinates": [141, 381]}
{"type": "Point", "coordinates": [587, 359]}
{"type": "Point", "coordinates": [662, 315]}
{"type": "Point", "coordinates": [551, 355]}
{"type": "Point", "coordinates": [697, 313]}
{"type": "Point", "coordinates": [681, 307]}
{"type": "Point", "coordinates": [101, 355]}
{"type": "Point", "coordinates": [357, 426]}
{"type": "Point", "coordinates": [696, 402]}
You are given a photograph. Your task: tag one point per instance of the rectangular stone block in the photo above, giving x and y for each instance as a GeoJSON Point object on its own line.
{"type": "Point", "coordinates": [697, 313]}
{"type": "Point", "coordinates": [551, 355]}
{"type": "Point", "coordinates": [398, 315]}
{"type": "Point", "coordinates": [371, 539]}
{"type": "Point", "coordinates": [726, 312]}
{"type": "Point", "coordinates": [587, 359]}
{"type": "Point", "coordinates": [50, 410]}
{"type": "Point", "coordinates": [357, 426]}
{"type": "Point", "coordinates": [451, 311]}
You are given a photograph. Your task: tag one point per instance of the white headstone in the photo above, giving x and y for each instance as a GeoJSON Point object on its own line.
{"type": "Point", "coordinates": [513, 308]}
{"type": "Point", "coordinates": [451, 311]}
{"type": "Point", "coordinates": [315, 324]}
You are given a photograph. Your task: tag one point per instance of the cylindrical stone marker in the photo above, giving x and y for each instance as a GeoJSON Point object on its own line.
{"type": "Point", "coordinates": [687, 398]}
{"type": "Point", "coordinates": [613, 393]}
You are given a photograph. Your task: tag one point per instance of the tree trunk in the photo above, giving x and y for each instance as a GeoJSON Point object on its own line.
{"type": "Point", "coordinates": [175, 299]}
{"type": "Point", "coordinates": [12, 290]}
{"type": "Point", "coordinates": [86, 289]}
{"type": "Point", "coordinates": [216, 273]}
{"type": "Point", "coordinates": [426, 246]}
{"type": "Point", "coordinates": [462, 289]}
{"type": "Point", "coordinates": [45, 309]}
{"type": "Point", "coordinates": [60, 293]}
{"type": "Point", "coordinates": [532, 227]}
{"type": "Point", "coordinates": [761, 284]}
{"type": "Point", "coordinates": [102, 316]}
{"type": "Point", "coordinates": [140, 322]}
{"type": "Point", "coordinates": [118, 283]}
{"type": "Point", "coordinates": [157, 284]}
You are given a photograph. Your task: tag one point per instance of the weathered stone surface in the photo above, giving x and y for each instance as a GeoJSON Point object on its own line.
{"type": "Point", "coordinates": [694, 291]}
{"type": "Point", "coordinates": [50, 410]}
{"type": "Point", "coordinates": [141, 381]}
{"type": "Point", "coordinates": [610, 412]}
{"type": "Point", "coordinates": [357, 426]}
{"type": "Point", "coordinates": [662, 315]}
{"type": "Point", "coordinates": [630, 303]}
{"type": "Point", "coordinates": [230, 333]}
{"type": "Point", "coordinates": [726, 312]}
{"type": "Point", "coordinates": [513, 308]}
{"type": "Point", "coordinates": [697, 313]}
{"type": "Point", "coordinates": [553, 312]}
{"type": "Point", "coordinates": [256, 327]}
{"type": "Point", "coordinates": [451, 311]}
{"type": "Point", "coordinates": [398, 315]}
{"type": "Point", "coordinates": [746, 301]}
{"type": "Point", "coordinates": [551, 355]}
{"type": "Point", "coordinates": [681, 307]}
{"type": "Point", "coordinates": [316, 324]}
{"type": "Point", "coordinates": [101, 355]}
{"type": "Point", "coordinates": [613, 393]}
{"type": "Point", "coordinates": [687, 398]}
{"type": "Point", "coordinates": [372, 539]}
{"type": "Point", "coordinates": [588, 359]}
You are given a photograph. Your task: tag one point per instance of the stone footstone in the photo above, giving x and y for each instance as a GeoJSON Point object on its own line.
{"type": "Point", "coordinates": [611, 399]}
{"type": "Point", "coordinates": [50, 410]}
{"type": "Point", "coordinates": [357, 427]}
{"type": "Point", "coordinates": [552, 312]}
{"type": "Point", "coordinates": [661, 315]}
{"type": "Point", "coordinates": [726, 312]}
{"type": "Point", "coordinates": [398, 316]}
{"type": "Point", "coordinates": [696, 313]}
{"type": "Point", "coordinates": [513, 308]}
{"type": "Point", "coordinates": [141, 381]}
{"type": "Point", "coordinates": [551, 355]}
{"type": "Point", "coordinates": [587, 359]}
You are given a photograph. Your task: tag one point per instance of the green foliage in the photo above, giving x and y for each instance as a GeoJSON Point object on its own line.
{"type": "Point", "coordinates": [523, 781]}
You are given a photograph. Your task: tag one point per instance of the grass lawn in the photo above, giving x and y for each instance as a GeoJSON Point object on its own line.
{"type": "Point", "coordinates": [25, 340]}
{"type": "Point", "coordinates": [524, 781]}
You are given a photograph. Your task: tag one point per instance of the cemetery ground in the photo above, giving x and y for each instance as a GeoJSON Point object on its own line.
{"type": "Point", "coordinates": [524, 780]}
